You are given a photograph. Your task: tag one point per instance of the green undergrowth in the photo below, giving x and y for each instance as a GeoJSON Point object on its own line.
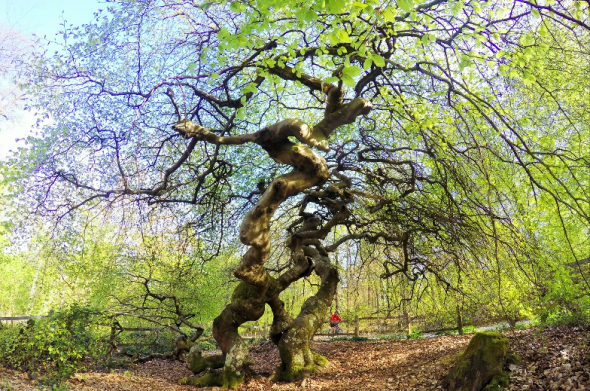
{"type": "Point", "coordinates": [52, 348]}
{"type": "Point", "coordinates": [445, 332]}
{"type": "Point", "coordinates": [518, 326]}
{"type": "Point", "coordinates": [566, 302]}
{"type": "Point", "coordinates": [355, 338]}
{"type": "Point", "coordinates": [414, 334]}
{"type": "Point", "coordinates": [207, 346]}
{"type": "Point", "coordinates": [498, 382]}
{"type": "Point", "coordinates": [389, 337]}
{"type": "Point", "coordinates": [469, 329]}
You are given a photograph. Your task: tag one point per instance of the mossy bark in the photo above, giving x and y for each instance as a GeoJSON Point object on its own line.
{"type": "Point", "coordinates": [297, 360]}
{"type": "Point", "coordinates": [224, 379]}
{"type": "Point", "coordinates": [197, 363]}
{"type": "Point", "coordinates": [480, 364]}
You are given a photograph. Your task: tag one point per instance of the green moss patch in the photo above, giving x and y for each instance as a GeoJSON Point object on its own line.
{"type": "Point", "coordinates": [480, 365]}
{"type": "Point", "coordinates": [298, 372]}
{"type": "Point", "coordinates": [498, 382]}
{"type": "Point", "coordinates": [225, 379]}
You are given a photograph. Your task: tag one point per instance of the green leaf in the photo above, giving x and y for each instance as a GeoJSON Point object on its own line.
{"type": "Point", "coordinates": [205, 6]}
{"type": "Point", "coordinates": [310, 16]}
{"type": "Point", "coordinates": [349, 81]}
{"type": "Point", "coordinates": [529, 77]}
{"type": "Point", "coordinates": [465, 62]}
{"type": "Point", "coordinates": [378, 60]}
{"type": "Point", "coordinates": [457, 7]}
{"type": "Point", "coordinates": [359, 5]}
{"type": "Point", "coordinates": [300, 15]}
{"type": "Point", "coordinates": [528, 39]}
{"type": "Point", "coordinates": [333, 38]}
{"type": "Point", "coordinates": [352, 71]}
{"type": "Point", "coordinates": [513, 74]}
{"type": "Point", "coordinates": [191, 67]}
{"type": "Point", "coordinates": [362, 49]}
{"type": "Point", "coordinates": [406, 5]}
{"type": "Point", "coordinates": [235, 6]}
{"type": "Point", "coordinates": [367, 64]}
{"type": "Point", "coordinates": [335, 6]}
{"type": "Point", "coordinates": [425, 39]}
{"type": "Point", "coordinates": [388, 15]}
{"type": "Point", "coordinates": [331, 80]}
{"type": "Point", "coordinates": [344, 38]}
{"type": "Point", "coordinates": [535, 13]}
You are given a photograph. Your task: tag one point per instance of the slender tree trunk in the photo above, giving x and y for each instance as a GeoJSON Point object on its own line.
{"type": "Point", "coordinates": [459, 319]}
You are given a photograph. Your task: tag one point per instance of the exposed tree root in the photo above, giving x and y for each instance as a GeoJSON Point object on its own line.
{"type": "Point", "coordinates": [224, 378]}
{"type": "Point", "coordinates": [197, 363]}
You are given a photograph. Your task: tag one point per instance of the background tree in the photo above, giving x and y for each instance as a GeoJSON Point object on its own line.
{"type": "Point", "coordinates": [15, 49]}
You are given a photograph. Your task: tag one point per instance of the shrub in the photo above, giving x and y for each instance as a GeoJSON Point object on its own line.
{"type": "Point", "coordinates": [56, 345]}
{"type": "Point", "coordinates": [566, 303]}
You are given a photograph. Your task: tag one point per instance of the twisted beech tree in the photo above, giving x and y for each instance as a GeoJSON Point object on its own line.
{"type": "Point", "coordinates": [400, 126]}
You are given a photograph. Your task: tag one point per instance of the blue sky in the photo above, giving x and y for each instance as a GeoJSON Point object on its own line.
{"type": "Point", "coordinates": [40, 17]}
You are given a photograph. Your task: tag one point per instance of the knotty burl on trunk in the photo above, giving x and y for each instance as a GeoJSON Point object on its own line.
{"type": "Point", "coordinates": [257, 287]}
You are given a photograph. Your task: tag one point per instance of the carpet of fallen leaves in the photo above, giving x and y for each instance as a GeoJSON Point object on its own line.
{"type": "Point", "coordinates": [552, 359]}
{"type": "Point", "coordinates": [555, 359]}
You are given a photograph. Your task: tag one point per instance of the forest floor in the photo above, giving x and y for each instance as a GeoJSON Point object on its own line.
{"type": "Point", "coordinates": [552, 359]}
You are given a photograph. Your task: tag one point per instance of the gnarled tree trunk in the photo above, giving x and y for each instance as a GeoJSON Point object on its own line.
{"type": "Point", "coordinates": [258, 287]}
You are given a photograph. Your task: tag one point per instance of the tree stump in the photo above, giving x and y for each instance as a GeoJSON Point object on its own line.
{"type": "Point", "coordinates": [480, 367]}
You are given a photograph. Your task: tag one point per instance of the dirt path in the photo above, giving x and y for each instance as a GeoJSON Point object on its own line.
{"type": "Point", "coordinates": [555, 359]}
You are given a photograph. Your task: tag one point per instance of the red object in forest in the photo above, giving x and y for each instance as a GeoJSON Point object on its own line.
{"type": "Point", "coordinates": [335, 318]}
